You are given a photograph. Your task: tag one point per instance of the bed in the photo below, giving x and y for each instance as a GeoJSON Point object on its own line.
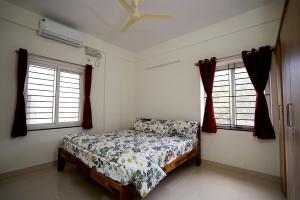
{"type": "Point", "coordinates": [136, 160]}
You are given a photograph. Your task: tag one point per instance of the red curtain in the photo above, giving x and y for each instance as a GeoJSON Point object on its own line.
{"type": "Point", "coordinates": [207, 71]}
{"type": "Point", "coordinates": [19, 127]}
{"type": "Point", "coordinates": [87, 122]}
{"type": "Point", "coordinates": [258, 64]}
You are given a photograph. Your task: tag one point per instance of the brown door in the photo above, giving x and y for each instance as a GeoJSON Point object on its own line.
{"type": "Point", "coordinates": [290, 48]}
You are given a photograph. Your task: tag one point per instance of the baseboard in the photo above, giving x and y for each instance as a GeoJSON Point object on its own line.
{"type": "Point", "coordinates": [27, 170]}
{"type": "Point", "coordinates": [35, 168]}
{"type": "Point", "coordinates": [269, 177]}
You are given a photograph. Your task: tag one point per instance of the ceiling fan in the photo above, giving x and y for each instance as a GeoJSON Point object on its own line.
{"type": "Point", "coordinates": [134, 15]}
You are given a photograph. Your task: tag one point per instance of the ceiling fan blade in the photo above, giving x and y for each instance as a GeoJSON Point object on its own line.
{"type": "Point", "coordinates": [126, 6]}
{"type": "Point", "coordinates": [156, 17]}
{"type": "Point", "coordinates": [136, 2]}
{"type": "Point", "coordinates": [128, 25]}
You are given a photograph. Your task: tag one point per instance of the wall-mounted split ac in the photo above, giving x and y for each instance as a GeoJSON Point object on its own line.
{"type": "Point", "coordinates": [59, 32]}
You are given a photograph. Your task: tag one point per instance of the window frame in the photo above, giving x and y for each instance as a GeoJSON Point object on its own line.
{"type": "Point", "coordinates": [59, 66]}
{"type": "Point", "coordinates": [224, 66]}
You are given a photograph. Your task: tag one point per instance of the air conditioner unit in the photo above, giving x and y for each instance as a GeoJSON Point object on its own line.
{"type": "Point", "coordinates": [56, 31]}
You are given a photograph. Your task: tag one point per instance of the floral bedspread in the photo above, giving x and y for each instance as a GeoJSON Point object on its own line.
{"type": "Point", "coordinates": [128, 156]}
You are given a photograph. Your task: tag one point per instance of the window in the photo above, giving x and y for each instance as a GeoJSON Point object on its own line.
{"type": "Point", "coordinates": [53, 94]}
{"type": "Point", "coordinates": [234, 97]}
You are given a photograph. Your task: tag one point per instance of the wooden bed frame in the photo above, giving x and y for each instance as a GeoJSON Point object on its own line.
{"type": "Point", "coordinates": [125, 192]}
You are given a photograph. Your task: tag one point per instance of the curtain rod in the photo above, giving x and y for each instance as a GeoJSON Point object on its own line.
{"type": "Point", "coordinates": [162, 65]}
{"type": "Point", "coordinates": [232, 56]}
{"type": "Point", "coordinates": [80, 65]}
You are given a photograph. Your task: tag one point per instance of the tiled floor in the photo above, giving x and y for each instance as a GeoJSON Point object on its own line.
{"type": "Point", "coordinates": [187, 182]}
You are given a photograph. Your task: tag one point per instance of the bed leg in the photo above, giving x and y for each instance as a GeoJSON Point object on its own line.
{"type": "Point", "coordinates": [124, 194]}
{"type": "Point", "coordinates": [198, 160]}
{"type": "Point", "coordinates": [61, 162]}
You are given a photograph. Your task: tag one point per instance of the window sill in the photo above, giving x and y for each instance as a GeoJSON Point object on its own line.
{"type": "Point", "coordinates": [43, 129]}
{"type": "Point", "coordinates": [245, 129]}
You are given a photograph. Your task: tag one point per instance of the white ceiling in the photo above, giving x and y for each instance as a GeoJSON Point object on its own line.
{"type": "Point", "coordinates": [104, 18]}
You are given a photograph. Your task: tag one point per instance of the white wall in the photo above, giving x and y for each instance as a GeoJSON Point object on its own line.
{"type": "Point", "coordinates": [112, 82]}
{"type": "Point", "coordinates": [172, 92]}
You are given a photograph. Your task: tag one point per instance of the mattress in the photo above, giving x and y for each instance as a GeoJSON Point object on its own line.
{"type": "Point", "coordinates": [128, 156]}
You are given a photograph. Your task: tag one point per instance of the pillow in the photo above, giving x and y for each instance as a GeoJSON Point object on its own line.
{"type": "Point", "coordinates": [161, 127]}
{"type": "Point", "coordinates": [142, 126]}
{"type": "Point", "coordinates": [185, 129]}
